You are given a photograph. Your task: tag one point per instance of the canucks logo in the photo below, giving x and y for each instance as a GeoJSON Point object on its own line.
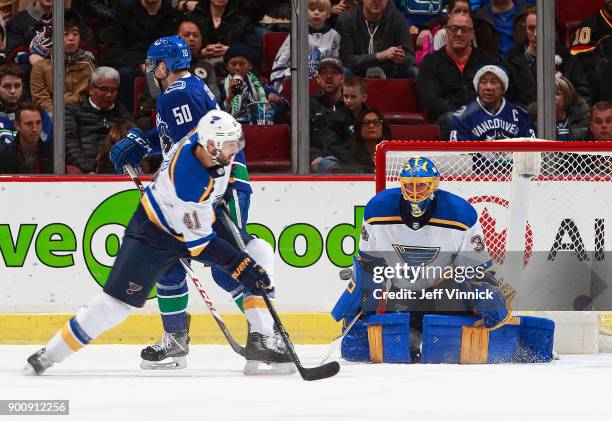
{"type": "Point", "coordinates": [164, 135]}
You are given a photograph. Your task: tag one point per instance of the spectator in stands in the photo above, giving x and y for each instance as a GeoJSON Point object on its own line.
{"type": "Point", "coordinates": [323, 41]}
{"type": "Point", "coordinates": [339, 130]}
{"type": "Point", "coordinates": [339, 7]}
{"type": "Point", "coordinates": [190, 31]}
{"type": "Point", "coordinates": [376, 41]}
{"type": "Point", "coordinates": [137, 25]}
{"type": "Point", "coordinates": [419, 12]}
{"type": "Point", "coordinates": [88, 122]}
{"type": "Point", "coordinates": [445, 81]}
{"type": "Point", "coordinates": [435, 29]}
{"type": "Point", "coordinates": [11, 95]}
{"type": "Point", "coordinates": [600, 126]}
{"type": "Point", "coordinates": [117, 132]}
{"type": "Point", "coordinates": [329, 78]}
{"type": "Point", "coordinates": [23, 26]}
{"type": "Point", "coordinates": [245, 97]}
{"type": "Point", "coordinates": [490, 116]}
{"type": "Point", "coordinates": [358, 156]}
{"type": "Point", "coordinates": [78, 69]}
{"type": "Point", "coordinates": [571, 112]}
{"type": "Point", "coordinates": [27, 154]}
{"type": "Point", "coordinates": [222, 25]}
{"type": "Point", "coordinates": [499, 26]}
{"type": "Point", "coordinates": [522, 67]}
{"type": "Point", "coordinates": [593, 47]}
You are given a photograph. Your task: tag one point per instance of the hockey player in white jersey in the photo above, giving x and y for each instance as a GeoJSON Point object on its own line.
{"type": "Point", "coordinates": [490, 116]}
{"type": "Point", "coordinates": [175, 219]}
{"type": "Point", "coordinates": [422, 225]}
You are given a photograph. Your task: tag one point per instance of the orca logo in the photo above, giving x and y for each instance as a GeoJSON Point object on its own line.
{"type": "Point", "coordinates": [492, 210]}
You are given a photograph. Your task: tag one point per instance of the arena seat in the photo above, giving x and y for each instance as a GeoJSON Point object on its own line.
{"type": "Point", "coordinates": [267, 148]}
{"type": "Point", "coordinates": [272, 42]}
{"type": "Point", "coordinates": [397, 99]}
{"type": "Point", "coordinates": [313, 88]}
{"type": "Point", "coordinates": [415, 132]}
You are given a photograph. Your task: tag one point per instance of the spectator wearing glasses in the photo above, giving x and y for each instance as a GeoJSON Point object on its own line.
{"type": "Point", "coordinates": [445, 81]}
{"type": "Point", "coordinates": [435, 29]}
{"type": "Point", "coordinates": [88, 122]}
{"type": "Point", "coordinates": [358, 156]}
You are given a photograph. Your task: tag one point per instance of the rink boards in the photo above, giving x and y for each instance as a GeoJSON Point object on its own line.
{"type": "Point", "coordinates": [58, 239]}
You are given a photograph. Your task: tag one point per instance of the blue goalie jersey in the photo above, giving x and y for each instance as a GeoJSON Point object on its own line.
{"type": "Point", "coordinates": [475, 122]}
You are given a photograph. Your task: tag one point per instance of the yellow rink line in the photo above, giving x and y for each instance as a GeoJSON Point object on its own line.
{"type": "Point", "coordinates": [304, 328]}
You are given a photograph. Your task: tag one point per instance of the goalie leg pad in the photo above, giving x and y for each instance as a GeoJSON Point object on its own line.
{"type": "Point", "coordinates": [455, 339]}
{"type": "Point", "coordinates": [389, 337]}
{"type": "Point", "coordinates": [536, 339]}
{"type": "Point", "coordinates": [355, 345]}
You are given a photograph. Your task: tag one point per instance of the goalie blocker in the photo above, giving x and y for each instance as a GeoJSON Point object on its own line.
{"type": "Point", "coordinates": [445, 339]}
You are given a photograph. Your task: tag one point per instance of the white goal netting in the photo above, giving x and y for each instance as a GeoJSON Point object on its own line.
{"type": "Point", "coordinates": [537, 202]}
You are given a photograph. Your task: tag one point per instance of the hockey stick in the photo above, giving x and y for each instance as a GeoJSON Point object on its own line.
{"type": "Point", "coordinates": [314, 373]}
{"type": "Point", "coordinates": [209, 303]}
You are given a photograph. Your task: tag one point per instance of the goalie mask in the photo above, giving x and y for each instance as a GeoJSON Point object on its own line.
{"type": "Point", "coordinates": [419, 180]}
{"type": "Point", "coordinates": [172, 51]}
{"type": "Point", "coordinates": [223, 129]}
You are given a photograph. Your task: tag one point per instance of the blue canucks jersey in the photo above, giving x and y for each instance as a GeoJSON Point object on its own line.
{"type": "Point", "coordinates": [475, 122]}
{"type": "Point", "coordinates": [179, 109]}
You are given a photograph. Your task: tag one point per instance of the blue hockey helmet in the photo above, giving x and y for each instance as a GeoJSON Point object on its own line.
{"type": "Point", "coordinates": [419, 180]}
{"type": "Point", "coordinates": [173, 51]}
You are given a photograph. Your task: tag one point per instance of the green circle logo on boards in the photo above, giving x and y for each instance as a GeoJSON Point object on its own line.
{"type": "Point", "coordinates": [102, 234]}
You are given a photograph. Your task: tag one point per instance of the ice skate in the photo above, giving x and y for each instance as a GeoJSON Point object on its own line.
{"type": "Point", "coordinates": [38, 363]}
{"type": "Point", "coordinates": [173, 346]}
{"type": "Point", "coordinates": [267, 355]}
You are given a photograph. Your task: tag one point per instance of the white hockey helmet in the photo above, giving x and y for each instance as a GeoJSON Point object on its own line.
{"type": "Point", "coordinates": [223, 130]}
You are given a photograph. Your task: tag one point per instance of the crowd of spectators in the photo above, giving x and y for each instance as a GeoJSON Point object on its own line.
{"type": "Point", "coordinates": [442, 45]}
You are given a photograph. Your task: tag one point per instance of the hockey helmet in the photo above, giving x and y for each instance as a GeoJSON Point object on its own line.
{"type": "Point", "coordinates": [419, 180]}
{"type": "Point", "coordinates": [173, 51]}
{"type": "Point", "coordinates": [223, 130]}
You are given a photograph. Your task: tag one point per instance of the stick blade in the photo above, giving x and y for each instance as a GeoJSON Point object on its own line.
{"type": "Point", "coordinates": [321, 372]}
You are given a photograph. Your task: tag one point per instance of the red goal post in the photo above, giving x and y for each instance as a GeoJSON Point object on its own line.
{"type": "Point", "coordinates": [531, 196]}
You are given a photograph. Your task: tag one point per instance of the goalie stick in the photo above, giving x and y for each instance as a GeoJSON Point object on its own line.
{"type": "Point", "coordinates": [239, 349]}
{"type": "Point", "coordinates": [309, 374]}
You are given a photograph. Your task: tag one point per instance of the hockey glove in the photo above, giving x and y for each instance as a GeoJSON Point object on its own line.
{"type": "Point", "coordinates": [252, 276]}
{"type": "Point", "coordinates": [494, 301]}
{"type": "Point", "coordinates": [42, 43]}
{"type": "Point", "coordinates": [130, 150]}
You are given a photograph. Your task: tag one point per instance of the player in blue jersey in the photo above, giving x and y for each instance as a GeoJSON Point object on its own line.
{"type": "Point", "coordinates": [175, 219]}
{"type": "Point", "coordinates": [183, 101]}
{"type": "Point", "coordinates": [490, 116]}
{"type": "Point", "coordinates": [422, 226]}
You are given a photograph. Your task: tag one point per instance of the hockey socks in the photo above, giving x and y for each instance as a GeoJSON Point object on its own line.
{"type": "Point", "coordinates": [91, 320]}
{"type": "Point", "coordinates": [258, 315]}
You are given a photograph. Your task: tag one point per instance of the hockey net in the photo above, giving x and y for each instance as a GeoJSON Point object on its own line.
{"type": "Point", "coordinates": [531, 196]}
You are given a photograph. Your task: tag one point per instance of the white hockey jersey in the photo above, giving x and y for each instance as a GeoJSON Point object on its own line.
{"type": "Point", "coordinates": [180, 198]}
{"type": "Point", "coordinates": [452, 237]}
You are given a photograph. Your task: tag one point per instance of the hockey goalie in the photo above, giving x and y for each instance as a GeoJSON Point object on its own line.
{"type": "Point", "coordinates": [424, 287]}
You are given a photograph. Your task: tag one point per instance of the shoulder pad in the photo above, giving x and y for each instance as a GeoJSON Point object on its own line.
{"type": "Point", "coordinates": [454, 211]}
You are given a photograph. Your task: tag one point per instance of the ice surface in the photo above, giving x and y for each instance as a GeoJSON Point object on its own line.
{"type": "Point", "coordinates": [104, 383]}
